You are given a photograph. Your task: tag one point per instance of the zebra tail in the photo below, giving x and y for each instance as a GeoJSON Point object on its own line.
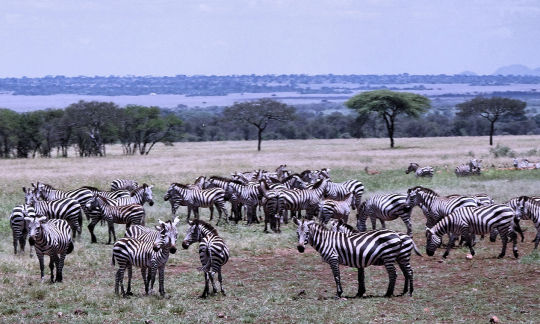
{"type": "Point", "coordinates": [415, 248]}
{"type": "Point", "coordinates": [70, 248]}
{"type": "Point", "coordinates": [81, 218]}
{"type": "Point", "coordinates": [112, 261]}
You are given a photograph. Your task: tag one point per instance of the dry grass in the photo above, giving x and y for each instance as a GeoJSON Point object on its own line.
{"type": "Point", "coordinates": [265, 276]}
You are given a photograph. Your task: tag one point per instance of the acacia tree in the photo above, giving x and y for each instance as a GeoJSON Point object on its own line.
{"type": "Point", "coordinates": [388, 105]}
{"type": "Point", "coordinates": [259, 113]}
{"type": "Point", "coordinates": [492, 109]}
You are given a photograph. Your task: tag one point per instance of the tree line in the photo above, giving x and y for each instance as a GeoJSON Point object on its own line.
{"type": "Point", "coordinates": [89, 126]}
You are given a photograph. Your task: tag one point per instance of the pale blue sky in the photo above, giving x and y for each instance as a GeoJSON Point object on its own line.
{"type": "Point", "coordinates": [120, 37]}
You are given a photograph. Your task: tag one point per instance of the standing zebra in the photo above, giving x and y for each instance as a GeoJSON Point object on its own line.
{"type": "Point", "coordinates": [385, 207]}
{"type": "Point", "coordinates": [146, 254]}
{"type": "Point", "coordinates": [529, 208]}
{"type": "Point", "coordinates": [53, 238]}
{"type": "Point", "coordinates": [48, 192]}
{"type": "Point", "coordinates": [249, 195]}
{"type": "Point", "coordinates": [338, 191]}
{"type": "Point", "coordinates": [381, 247]}
{"type": "Point", "coordinates": [339, 209]}
{"type": "Point", "coordinates": [19, 226]}
{"type": "Point", "coordinates": [473, 220]}
{"type": "Point", "coordinates": [223, 183]}
{"type": "Point", "coordinates": [128, 214]}
{"type": "Point", "coordinates": [213, 252]}
{"type": "Point", "coordinates": [426, 171]}
{"type": "Point", "coordinates": [177, 201]}
{"type": "Point", "coordinates": [139, 196]}
{"type": "Point", "coordinates": [124, 184]}
{"type": "Point", "coordinates": [434, 206]}
{"type": "Point", "coordinates": [308, 199]}
{"type": "Point", "coordinates": [66, 208]}
{"type": "Point", "coordinates": [270, 203]}
{"type": "Point", "coordinates": [482, 199]}
{"type": "Point", "coordinates": [179, 193]}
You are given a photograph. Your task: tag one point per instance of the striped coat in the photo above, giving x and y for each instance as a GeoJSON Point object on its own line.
{"type": "Point", "coordinates": [382, 247]}
{"type": "Point", "coordinates": [339, 209]}
{"type": "Point", "coordinates": [529, 208]}
{"type": "Point", "coordinates": [338, 191]}
{"type": "Point", "coordinates": [48, 192]}
{"type": "Point", "coordinates": [308, 199]}
{"type": "Point", "coordinates": [19, 226]}
{"type": "Point", "coordinates": [470, 221]}
{"type": "Point", "coordinates": [53, 238]}
{"type": "Point", "coordinates": [198, 198]}
{"type": "Point", "coordinates": [213, 252]}
{"type": "Point", "coordinates": [124, 184]}
{"type": "Point", "coordinates": [426, 171]}
{"type": "Point", "coordinates": [385, 207]}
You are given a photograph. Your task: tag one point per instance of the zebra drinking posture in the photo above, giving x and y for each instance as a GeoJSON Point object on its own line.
{"type": "Point", "coordinates": [146, 254]}
{"type": "Point", "coordinates": [381, 247]}
{"type": "Point", "coordinates": [473, 220]}
{"type": "Point", "coordinates": [529, 208]}
{"type": "Point", "coordinates": [124, 184]}
{"type": "Point", "coordinates": [19, 226]}
{"type": "Point", "coordinates": [128, 214]}
{"type": "Point", "coordinates": [53, 238]}
{"type": "Point", "coordinates": [66, 208]}
{"type": "Point", "coordinates": [339, 209]}
{"type": "Point", "coordinates": [194, 198]}
{"type": "Point", "coordinates": [426, 171]}
{"type": "Point", "coordinates": [385, 207]}
{"type": "Point", "coordinates": [213, 252]}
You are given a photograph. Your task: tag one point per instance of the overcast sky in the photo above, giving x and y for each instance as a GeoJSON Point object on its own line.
{"type": "Point", "coordinates": [166, 37]}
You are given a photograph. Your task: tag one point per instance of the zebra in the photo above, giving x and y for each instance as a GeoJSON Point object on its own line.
{"type": "Point", "coordinates": [472, 168]}
{"type": "Point", "coordinates": [249, 195]}
{"type": "Point", "coordinates": [270, 203]}
{"type": "Point", "coordinates": [473, 220]}
{"type": "Point", "coordinates": [338, 191]}
{"type": "Point", "coordinates": [53, 238]}
{"type": "Point", "coordinates": [380, 247]}
{"type": "Point", "coordinates": [128, 214]}
{"type": "Point", "coordinates": [139, 196]}
{"type": "Point", "coordinates": [48, 192]}
{"type": "Point", "coordinates": [385, 207]}
{"type": "Point", "coordinates": [482, 199]}
{"type": "Point", "coordinates": [312, 176]}
{"type": "Point", "coordinates": [177, 201]}
{"type": "Point", "coordinates": [19, 226]}
{"type": "Point", "coordinates": [308, 199]}
{"type": "Point", "coordinates": [66, 208]}
{"type": "Point", "coordinates": [91, 215]}
{"type": "Point", "coordinates": [223, 183]}
{"type": "Point", "coordinates": [426, 171]}
{"type": "Point", "coordinates": [213, 252]}
{"type": "Point", "coordinates": [529, 208]}
{"type": "Point", "coordinates": [198, 198]}
{"type": "Point", "coordinates": [124, 184]}
{"type": "Point", "coordinates": [434, 206]}
{"type": "Point", "coordinates": [149, 255]}
{"type": "Point", "coordinates": [282, 172]}
{"type": "Point", "coordinates": [339, 209]}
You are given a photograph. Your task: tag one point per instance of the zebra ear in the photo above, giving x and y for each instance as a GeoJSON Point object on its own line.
{"type": "Point", "coordinates": [190, 223]}
{"type": "Point", "coordinates": [157, 227]}
{"type": "Point", "coordinates": [34, 185]}
{"type": "Point", "coordinates": [161, 222]}
{"type": "Point", "coordinates": [29, 219]}
{"type": "Point", "coordinates": [295, 221]}
{"type": "Point", "coordinates": [24, 189]}
{"type": "Point", "coordinates": [42, 219]}
{"type": "Point", "coordinates": [175, 221]}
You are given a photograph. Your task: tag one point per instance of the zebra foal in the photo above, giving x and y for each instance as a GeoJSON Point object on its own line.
{"type": "Point", "coordinates": [53, 238]}
{"type": "Point", "coordinates": [381, 247]}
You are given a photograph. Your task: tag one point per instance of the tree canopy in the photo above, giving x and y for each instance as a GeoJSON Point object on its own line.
{"type": "Point", "coordinates": [388, 105]}
{"type": "Point", "coordinates": [492, 109]}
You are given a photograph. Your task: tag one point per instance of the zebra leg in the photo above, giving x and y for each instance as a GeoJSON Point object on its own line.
{"type": "Point", "coordinates": [408, 273]}
{"type": "Point", "coordinates": [361, 283]}
{"type": "Point", "coordinates": [120, 280]}
{"type": "Point", "coordinates": [449, 245]}
{"type": "Point", "coordinates": [220, 279]}
{"type": "Point", "coordinates": [335, 271]}
{"type": "Point", "coordinates": [205, 291]}
{"type": "Point", "coordinates": [409, 227]}
{"type": "Point", "coordinates": [16, 242]}
{"type": "Point", "coordinates": [212, 212]}
{"type": "Point", "coordinates": [391, 269]}
{"type": "Point", "coordinates": [383, 224]}
{"type": "Point", "coordinates": [146, 279]}
{"type": "Point", "coordinates": [373, 222]}
{"type": "Point", "coordinates": [189, 209]}
{"type": "Point", "coordinates": [41, 264]}
{"type": "Point", "coordinates": [537, 238]}
{"type": "Point", "coordinates": [91, 229]}
{"type": "Point", "coordinates": [504, 239]}
{"type": "Point", "coordinates": [162, 281]}
{"type": "Point", "coordinates": [214, 290]}
{"type": "Point", "coordinates": [111, 230]}
{"type": "Point", "coordinates": [52, 262]}
{"type": "Point", "coordinates": [513, 236]}
{"type": "Point", "coordinates": [60, 267]}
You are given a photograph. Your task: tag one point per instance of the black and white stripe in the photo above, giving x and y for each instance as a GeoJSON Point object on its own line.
{"type": "Point", "coordinates": [381, 247]}
{"type": "Point", "coordinates": [338, 209]}
{"type": "Point", "coordinates": [470, 221]}
{"type": "Point", "coordinates": [426, 171]}
{"type": "Point", "coordinates": [308, 199]}
{"type": "Point", "coordinates": [248, 195]}
{"type": "Point", "coordinates": [472, 168]}
{"type": "Point", "coordinates": [150, 256]}
{"type": "Point", "coordinates": [338, 191]}
{"type": "Point", "coordinates": [213, 252]}
{"type": "Point", "coordinates": [384, 207]}
{"type": "Point", "coordinates": [53, 238]}
{"type": "Point", "coordinates": [528, 208]}
{"type": "Point", "coordinates": [140, 196]}
{"type": "Point", "coordinates": [124, 184]}
{"type": "Point", "coordinates": [182, 194]}
{"type": "Point", "coordinates": [19, 226]}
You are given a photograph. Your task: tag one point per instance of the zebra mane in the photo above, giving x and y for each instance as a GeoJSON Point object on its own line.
{"type": "Point", "coordinates": [205, 225]}
{"type": "Point", "coordinates": [237, 182]}
{"type": "Point", "coordinates": [317, 184]}
{"type": "Point", "coordinates": [425, 190]}
{"type": "Point", "coordinates": [349, 227]}
{"type": "Point", "coordinates": [47, 185]}
{"type": "Point", "coordinates": [180, 185]}
{"type": "Point", "coordinates": [220, 178]}
{"type": "Point", "coordinates": [305, 172]}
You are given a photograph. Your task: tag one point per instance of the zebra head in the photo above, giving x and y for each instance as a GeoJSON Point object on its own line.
{"type": "Point", "coordinates": [412, 167]}
{"type": "Point", "coordinates": [168, 235]}
{"type": "Point", "coordinates": [361, 225]}
{"type": "Point", "coordinates": [303, 233]}
{"type": "Point", "coordinates": [30, 196]}
{"type": "Point", "coordinates": [522, 207]}
{"type": "Point", "coordinates": [34, 227]}
{"type": "Point", "coordinates": [433, 241]}
{"type": "Point", "coordinates": [193, 234]}
{"type": "Point", "coordinates": [413, 196]}
{"type": "Point", "coordinates": [146, 194]}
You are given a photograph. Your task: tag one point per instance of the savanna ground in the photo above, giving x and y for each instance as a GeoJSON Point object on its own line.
{"type": "Point", "coordinates": [266, 279]}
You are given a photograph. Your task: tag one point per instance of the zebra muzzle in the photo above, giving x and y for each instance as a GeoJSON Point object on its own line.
{"type": "Point", "coordinates": [300, 248]}
{"type": "Point", "coordinates": [185, 245]}
{"type": "Point", "coordinates": [151, 203]}
{"type": "Point", "coordinates": [173, 249]}
{"type": "Point", "coordinates": [31, 241]}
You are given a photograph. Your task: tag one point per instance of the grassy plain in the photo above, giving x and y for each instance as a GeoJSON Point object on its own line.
{"type": "Point", "coordinates": [267, 280]}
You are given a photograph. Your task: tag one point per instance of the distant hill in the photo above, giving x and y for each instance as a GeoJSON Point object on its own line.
{"type": "Point", "coordinates": [467, 73]}
{"type": "Point", "coordinates": [517, 69]}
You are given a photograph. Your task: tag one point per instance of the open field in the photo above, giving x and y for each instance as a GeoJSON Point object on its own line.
{"type": "Point", "coordinates": [267, 280]}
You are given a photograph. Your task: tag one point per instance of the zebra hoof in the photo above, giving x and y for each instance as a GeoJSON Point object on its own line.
{"type": "Point", "coordinates": [516, 254]}
{"type": "Point", "coordinates": [129, 293]}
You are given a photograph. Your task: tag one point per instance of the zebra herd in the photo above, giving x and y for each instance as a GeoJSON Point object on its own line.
{"type": "Point", "coordinates": [473, 167]}
{"type": "Point", "coordinates": [52, 218]}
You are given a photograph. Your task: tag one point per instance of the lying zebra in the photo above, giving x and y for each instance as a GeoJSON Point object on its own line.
{"type": "Point", "coordinates": [381, 247]}
{"type": "Point", "coordinates": [426, 171]}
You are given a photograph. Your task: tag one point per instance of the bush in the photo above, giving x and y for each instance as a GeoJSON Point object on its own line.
{"type": "Point", "coordinates": [501, 151]}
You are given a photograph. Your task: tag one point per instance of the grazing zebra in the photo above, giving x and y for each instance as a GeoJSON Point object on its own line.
{"type": "Point", "coordinates": [434, 206]}
{"type": "Point", "coordinates": [529, 208]}
{"type": "Point", "coordinates": [339, 209]}
{"type": "Point", "coordinates": [308, 199]}
{"type": "Point", "coordinates": [338, 191]}
{"type": "Point", "coordinates": [472, 168]}
{"type": "Point", "coordinates": [385, 207]}
{"type": "Point", "coordinates": [124, 184]}
{"type": "Point", "coordinates": [426, 171]}
{"type": "Point", "coordinates": [66, 208]}
{"type": "Point", "coordinates": [53, 238]}
{"type": "Point", "coordinates": [213, 252]}
{"type": "Point", "coordinates": [128, 214]}
{"type": "Point", "coordinates": [473, 220]}
{"type": "Point", "coordinates": [150, 256]}
{"type": "Point", "coordinates": [249, 195]}
{"type": "Point", "coordinates": [18, 225]}
{"type": "Point", "coordinates": [179, 193]}
{"type": "Point", "coordinates": [381, 247]}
